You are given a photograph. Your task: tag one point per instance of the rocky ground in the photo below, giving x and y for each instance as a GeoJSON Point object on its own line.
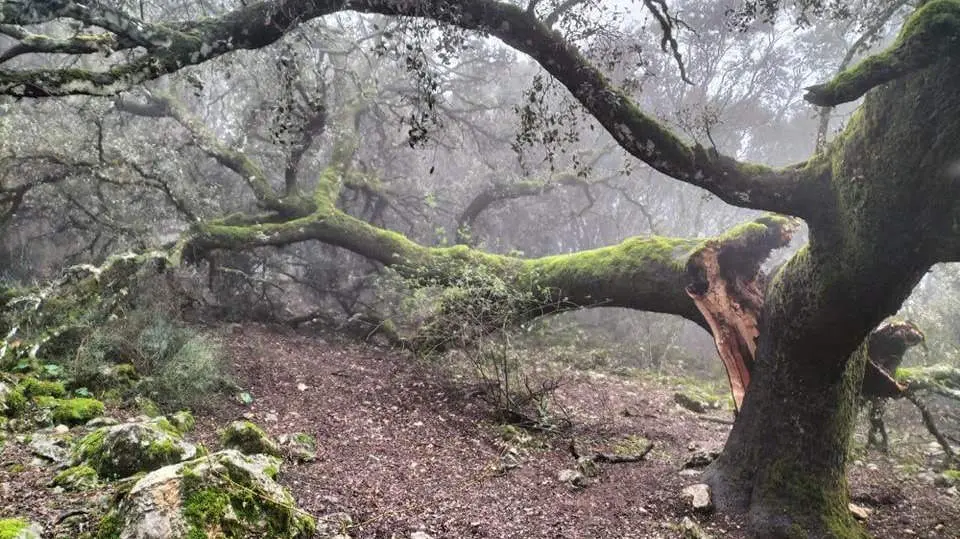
{"type": "Point", "coordinates": [408, 453]}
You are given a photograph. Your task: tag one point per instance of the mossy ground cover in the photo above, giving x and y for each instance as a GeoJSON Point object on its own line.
{"type": "Point", "coordinates": [10, 528]}
{"type": "Point", "coordinates": [75, 411]}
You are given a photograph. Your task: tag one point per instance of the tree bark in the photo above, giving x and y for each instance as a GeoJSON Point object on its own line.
{"type": "Point", "coordinates": [870, 244]}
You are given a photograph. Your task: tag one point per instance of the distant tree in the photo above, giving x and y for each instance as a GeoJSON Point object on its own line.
{"type": "Point", "coordinates": [880, 202]}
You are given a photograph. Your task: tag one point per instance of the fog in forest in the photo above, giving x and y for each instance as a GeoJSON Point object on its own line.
{"type": "Point", "coordinates": [349, 180]}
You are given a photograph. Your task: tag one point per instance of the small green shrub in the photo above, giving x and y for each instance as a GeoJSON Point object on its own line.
{"type": "Point", "coordinates": [178, 366]}
{"type": "Point", "coordinates": [189, 375]}
{"type": "Point", "coordinates": [472, 322]}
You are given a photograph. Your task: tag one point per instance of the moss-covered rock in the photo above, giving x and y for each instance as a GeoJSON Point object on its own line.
{"type": "Point", "coordinates": [118, 376]}
{"type": "Point", "coordinates": [81, 477]}
{"type": "Point", "coordinates": [147, 406]}
{"type": "Point", "coordinates": [70, 411]}
{"type": "Point", "coordinates": [226, 494]}
{"type": "Point", "coordinates": [303, 446]}
{"type": "Point", "coordinates": [125, 449]}
{"type": "Point", "coordinates": [696, 400]}
{"type": "Point", "coordinates": [948, 478]}
{"type": "Point", "coordinates": [248, 438]}
{"type": "Point", "coordinates": [32, 387]}
{"type": "Point", "coordinates": [18, 528]}
{"type": "Point", "coordinates": [632, 446]}
{"type": "Point", "coordinates": [12, 400]}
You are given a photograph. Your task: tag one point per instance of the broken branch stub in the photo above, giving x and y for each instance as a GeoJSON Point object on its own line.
{"type": "Point", "coordinates": [886, 346]}
{"type": "Point", "coordinates": [727, 286]}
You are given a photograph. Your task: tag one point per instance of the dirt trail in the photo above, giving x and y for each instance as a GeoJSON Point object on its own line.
{"type": "Point", "coordinates": [401, 451]}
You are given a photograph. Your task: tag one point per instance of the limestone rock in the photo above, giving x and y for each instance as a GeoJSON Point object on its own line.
{"type": "Point", "coordinates": [128, 448]}
{"type": "Point", "coordinates": [701, 459]}
{"type": "Point", "coordinates": [51, 447]}
{"type": "Point", "coordinates": [699, 497]}
{"type": "Point", "coordinates": [102, 421]}
{"type": "Point", "coordinates": [226, 494]}
{"type": "Point", "coordinates": [249, 439]}
{"type": "Point", "coordinates": [572, 478]}
{"type": "Point", "coordinates": [588, 467]}
{"type": "Point", "coordinates": [303, 446]}
{"type": "Point", "coordinates": [691, 530]}
{"type": "Point", "coordinates": [77, 478]}
{"type": "Point", "coordinates": [859, 513]}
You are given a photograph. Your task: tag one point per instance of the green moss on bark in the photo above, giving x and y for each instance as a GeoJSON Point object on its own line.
{"type": "Point", "coordinates": [930, 34]}
{"type": "Point", "coordinates": [804, 494]}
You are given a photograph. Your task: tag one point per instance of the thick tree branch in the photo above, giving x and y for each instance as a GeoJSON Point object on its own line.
{"type": "Point", "coordinates": [38, 43]}
{"type": "Point", "coordinates": [640, 273]}
{"type": "Point", "coordinates": [941, 379]}
{"type": "Point", "coordinates": [171, 46]}
{"type": "Point", "coordinates": [862, 43]}
{"type": "Point", "coordinates": [20, 12]}
{"type": "Point", "coordinates": [932, 33]}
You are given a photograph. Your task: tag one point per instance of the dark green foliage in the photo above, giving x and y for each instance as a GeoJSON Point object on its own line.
{"type": "Point", "coordinates": [470, 321]}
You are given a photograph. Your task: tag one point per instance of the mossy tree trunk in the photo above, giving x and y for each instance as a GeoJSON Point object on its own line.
{"type": "Point", "coordinates": [881, 203]}
{"type": "Point", "coordinates": [890, 215]}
